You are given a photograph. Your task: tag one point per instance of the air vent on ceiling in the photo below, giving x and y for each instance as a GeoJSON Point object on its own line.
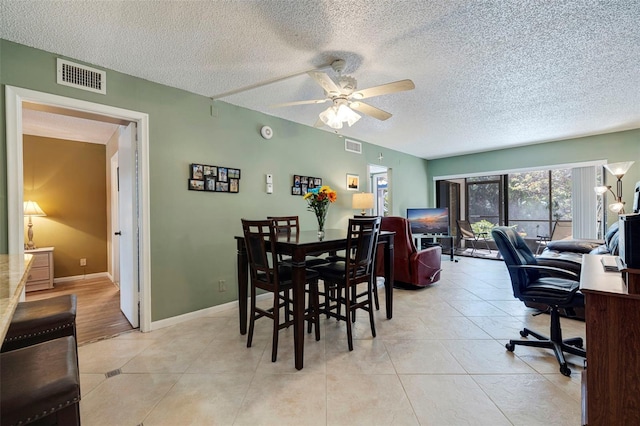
{"type": "Point", "coordinates": [82, 77]}
{"type": "Point", "coordinates": [352, 146]}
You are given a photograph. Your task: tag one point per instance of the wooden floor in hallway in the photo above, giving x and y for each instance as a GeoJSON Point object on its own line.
{"type": "Point", "coordinates": [98, 314]}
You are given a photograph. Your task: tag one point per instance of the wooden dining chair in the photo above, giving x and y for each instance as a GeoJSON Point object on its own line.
{"type": "Point", "coordinates": [346, 275]}
{"type": "Point", "coordinates": [290, 226]}
{"type": "Point", "coordinates": [266, 273]}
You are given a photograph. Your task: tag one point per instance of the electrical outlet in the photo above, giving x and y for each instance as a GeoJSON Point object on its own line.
{"type": "Point", "coordinates": [222, 285]}
{"type": "Point", "coordinates": [83, 262]}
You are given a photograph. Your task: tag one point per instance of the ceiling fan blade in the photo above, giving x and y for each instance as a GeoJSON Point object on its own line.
{"type": "Point", "coordinates": [370, 110]}
{"type": "Point", "coordinates": [325, 82]}
{"type": "Point", "coordinates": [384, 89]}
{"type": "Point", "coordinates": [315, 101]}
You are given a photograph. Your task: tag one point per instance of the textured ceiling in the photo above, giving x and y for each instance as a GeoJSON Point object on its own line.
{"type": "Point", "coordinates": [488, 74]}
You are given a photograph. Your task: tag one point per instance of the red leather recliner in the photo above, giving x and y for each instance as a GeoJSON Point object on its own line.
{"type": "Point", "coordinates": [411, 267]}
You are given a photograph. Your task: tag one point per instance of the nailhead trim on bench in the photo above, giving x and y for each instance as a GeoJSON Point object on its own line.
{"type": "Point", "coordinates": [25, 336]}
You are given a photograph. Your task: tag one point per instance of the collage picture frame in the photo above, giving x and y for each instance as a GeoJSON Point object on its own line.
{"type": "Point", "coordinates": [208, 178]}
{"type": "Point", "coordinates": [302, 184]}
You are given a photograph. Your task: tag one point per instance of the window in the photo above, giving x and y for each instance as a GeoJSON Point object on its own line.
{"type": "Point", "coordinates": [484, 200]}
{"type": "Point", "coordinates": [537, 199]}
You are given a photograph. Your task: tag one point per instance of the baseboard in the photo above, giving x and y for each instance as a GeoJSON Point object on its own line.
{"type": "Point", "coordinates": [81, 277]}
{"type": "Point", "coordinates": [167, 322]}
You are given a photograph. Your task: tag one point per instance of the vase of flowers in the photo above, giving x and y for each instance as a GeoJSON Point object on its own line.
{"type": "Point", "coordinates": [319, 200]}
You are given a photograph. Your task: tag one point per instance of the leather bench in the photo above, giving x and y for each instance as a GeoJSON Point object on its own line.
{"type": "Point", "coordinates": [41, 320]}
{"type": "Point", "coordinates": [40, 381]}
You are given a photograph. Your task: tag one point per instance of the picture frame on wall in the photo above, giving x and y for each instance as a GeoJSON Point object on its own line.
{"type": "Point", "coordinates": [196, 185]}
{"type": "Point", "coordinates": [208, 178]}
{"type": "Point", "coordinates": [353, 182]}
{"type": "Point", "coordinates": [234, 185]}
{"type": "Point", "coordinates": [197, 171]}
{"type": "Point", "coordinates": [303, 184]}
{"type": "Point", "coordinates": [209, 183]}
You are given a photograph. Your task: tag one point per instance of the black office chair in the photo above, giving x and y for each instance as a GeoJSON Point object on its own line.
{"type": "Point", "coordinates": [542, 284]}
{"type": "Point", "coordinates": [267, 274]}
{"type": "Point", "coordinates": [342, 277]}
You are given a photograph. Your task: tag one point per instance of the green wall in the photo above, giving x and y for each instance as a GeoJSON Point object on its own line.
{"type": "Point", "coordinates": [191, 233]}
{"type": "Point", "coordinates": [612, 147]}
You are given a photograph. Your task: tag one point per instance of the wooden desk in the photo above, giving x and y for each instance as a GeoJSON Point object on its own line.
{"type": "Point", "coordinates": [14, 269]}
{"type": "Point", "coordinates": [613, 347]}
{"type": "Point", "coordinates": [298, 246]}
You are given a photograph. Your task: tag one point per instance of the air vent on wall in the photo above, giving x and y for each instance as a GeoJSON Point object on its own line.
{"type": "Point", "coordinates": [82, 77]}
{"type": "Point", "coordinates": [352, 146]}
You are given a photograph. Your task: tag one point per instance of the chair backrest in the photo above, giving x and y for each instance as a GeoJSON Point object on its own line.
{"type": "Point", "coordinates": [515, 252]}
{"type": "Point", "coordinates": [465, 229]}
{"type": "Point", "coordinates": [263, 263]}
{"type": "Point", "coordinates": [286, 224]}
{"type": "Point", "coordinates": [362, 241]}
{"type": "Point", "coordinates": [403, 246]}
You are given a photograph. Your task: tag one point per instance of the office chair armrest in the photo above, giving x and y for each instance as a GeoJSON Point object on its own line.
{"type": "Point", "coordinates": [551, 270]}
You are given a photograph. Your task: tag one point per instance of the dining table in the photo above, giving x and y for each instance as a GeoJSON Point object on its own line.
{"type": "Point", "coordinates": [298, 246]}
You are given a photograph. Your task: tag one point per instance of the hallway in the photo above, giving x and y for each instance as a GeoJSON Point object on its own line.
{"type": "Point", "coordinates": [99, 314]}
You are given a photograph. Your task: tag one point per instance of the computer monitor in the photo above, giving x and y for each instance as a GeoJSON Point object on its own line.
{"type": "Point", "coordinates": [433, 221]}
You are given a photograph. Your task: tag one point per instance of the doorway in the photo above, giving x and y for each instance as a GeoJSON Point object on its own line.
{"type": "Point", "coordinates": [138, 234]}
{"type": "Point", "coordinates": [380, 187]}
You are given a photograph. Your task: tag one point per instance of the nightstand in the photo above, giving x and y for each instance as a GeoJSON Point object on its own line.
{"type": "Point", "coordinates": [41, 274]}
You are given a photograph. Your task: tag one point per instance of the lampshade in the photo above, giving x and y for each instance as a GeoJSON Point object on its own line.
{"type": "Point", "coordinates": [619, 169]}
{"type": "Point", "coordinates": [31, 208]}
{"type": "Point", "coordinates": [601, 189]}
{"type": "Point", "coordinates": [330, 118]}
{"type": "Point", "coordinates": [337, 114]}
{"type": "Point", "coordinates": [362, 201]}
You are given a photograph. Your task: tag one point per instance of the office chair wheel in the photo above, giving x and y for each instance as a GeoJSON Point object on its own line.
{"type": "Point", "coordinates": [565, 370]}
{"type": "Point", "coordinates": [510, 347]}
{"type": "Point", "coordinates": [524, 333]}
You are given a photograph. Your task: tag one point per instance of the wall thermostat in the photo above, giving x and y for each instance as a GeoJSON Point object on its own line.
{"type": "Point", "coordinates": [266, 132]}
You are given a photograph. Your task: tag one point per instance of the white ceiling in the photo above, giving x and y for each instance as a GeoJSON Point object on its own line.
{"type": "Point", "coordinates": [488, 74]}
{"type": "Point", "coordinates": [53, 125]}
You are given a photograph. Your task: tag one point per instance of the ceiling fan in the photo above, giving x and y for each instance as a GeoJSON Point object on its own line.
{"type": "Point", "coordinates": [345, 97]}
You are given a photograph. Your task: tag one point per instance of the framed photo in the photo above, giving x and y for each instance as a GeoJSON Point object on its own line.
{"type": "Point", "coordinates": [296, 181]}
{"type": "Point", "coordinates": [234, 185]}
{"type": "Point", "coordinates": [209, 183]}
{"type": "Point", "coordinates": [222, 174]}
{"type": "Point", "coordinates": [197, 171]}
{"type": "Point", "coordinates": [196, 185]}
{"type": "Point", "coordinates": [353, 182]}
{"type": "Point", "coordinates": [303, 189]}
{"type": "Point", "coordinates": [204, 177]}
{"type": "Point", "coordinates": [233, 173]}
{"type": "Point", "coordinates": [295, 190]}
{"type": "Point", "coordinates": [318, 182]}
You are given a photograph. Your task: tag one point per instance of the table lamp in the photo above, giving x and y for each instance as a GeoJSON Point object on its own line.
{"type": "Point", "coordinates": [363, 201]}
{"type": "Point", "coordinates": [31, 209]}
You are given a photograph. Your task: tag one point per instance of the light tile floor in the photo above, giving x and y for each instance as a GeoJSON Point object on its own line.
{"type": "Point", "coordinates": [441, 360]}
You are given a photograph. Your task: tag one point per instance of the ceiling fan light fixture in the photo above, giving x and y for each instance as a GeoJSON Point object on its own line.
{"type": "Point", "coordinates": [347, 114]}
{"type": "Point", "coordinates": [330, 118]}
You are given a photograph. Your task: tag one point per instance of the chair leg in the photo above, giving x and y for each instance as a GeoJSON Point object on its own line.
{"type": "Point", "coordinates": [276, 327]}
{"type": "Point", "coordinates": [370, 309]}
{"type": "Point", "coordinates": [375, 294]}
{"type": "Point", "coordinates": [347, 309]}
{"type": "Point", "coordinates": [252, 319]}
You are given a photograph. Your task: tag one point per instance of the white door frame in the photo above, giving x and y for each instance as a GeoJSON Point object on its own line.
{"type": "Point", "coordinates": [115, 223]}
{"type": "Point", "coordinates": [14, 98]}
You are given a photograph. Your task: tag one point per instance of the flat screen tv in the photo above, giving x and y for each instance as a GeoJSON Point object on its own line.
{"type": "Point", "coordinates": [433, 221]}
